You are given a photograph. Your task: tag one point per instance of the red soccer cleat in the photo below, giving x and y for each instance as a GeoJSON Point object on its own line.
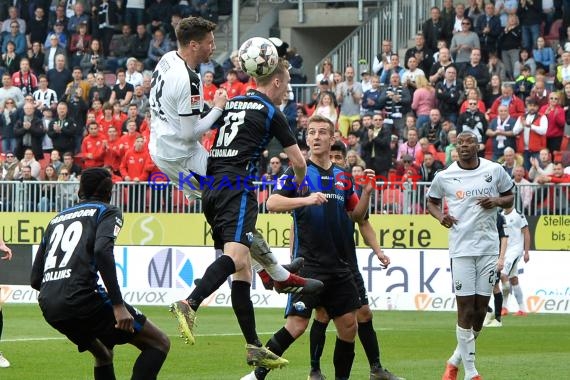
{"type": "Point", "coordinates": [293, 267]}
{"type": "Point", "coordinates": [450, 372]}
{"type": "Point", "coordinates": [297, 284]}
{"type": "Point", "coordinates": [504, 311]}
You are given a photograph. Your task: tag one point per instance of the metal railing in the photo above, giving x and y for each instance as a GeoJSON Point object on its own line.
{"type": "Point", "coordinates": [394, 20]}
{"type": "Point", "coordinates": [388, 198]}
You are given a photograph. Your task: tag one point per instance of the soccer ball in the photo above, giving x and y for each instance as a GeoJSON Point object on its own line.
{"type": "Point", "coordinates": [258, 57]}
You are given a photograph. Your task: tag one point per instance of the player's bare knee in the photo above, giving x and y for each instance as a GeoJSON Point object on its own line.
{"type": "Point", "coordinates": [162, 342]}
{"type": "Point", "coordinates": [296, 326]}
{"type": "Point", "coordinates": [346, 326]}
{"type": "Point", "coordinates": [364, 314]}
{"type": "Point", "coordinates": [514, 281]}
{"type": "Point", "coordinates": [321, 315]}
{"type": "Point", "coordinates": [102, 355]}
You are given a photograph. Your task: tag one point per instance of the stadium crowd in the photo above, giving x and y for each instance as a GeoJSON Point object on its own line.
{"type": "Point", "coordinates": [76, 77]}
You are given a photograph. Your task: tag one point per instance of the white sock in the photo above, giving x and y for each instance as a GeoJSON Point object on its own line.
{"type": "Point", "coordinates": [277, 272]}
{"type": "Point", "coordinates": [261, 252]}
{"type": "Point", "coordinates": [506, 293]}
{"type": "Point", "coordinates": [256, 266]}
{"type": "Point", "coordinates": [517, 291]}
{"type": "Point", "coordinates": [273, 268]}
{"type": "Point", "coordinates": [455, 358]}
{"type": "Point", "coordinates": [466, 345]}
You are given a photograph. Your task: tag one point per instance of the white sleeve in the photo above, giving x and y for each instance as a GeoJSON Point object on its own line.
{"type": "Point", "coordinates": [504, 181]}
{"type": "Point", "coordinates": [541, 129]}
{"type": "Point", "coordinates": [435, 190]}
{"type": "Point", "coordinates": [377, 65]}
{"type": "Point", "coordinates": [192, 130]}
{"type": "Point", "coordinates": [518, 126]}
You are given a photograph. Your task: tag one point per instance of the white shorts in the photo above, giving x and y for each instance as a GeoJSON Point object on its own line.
{"type": "Point", "coordinates": [474, 274]}
{"type": "Point", "coordinates": [178, 171]}
{"type": "Point", "coordinates": [511, 267]}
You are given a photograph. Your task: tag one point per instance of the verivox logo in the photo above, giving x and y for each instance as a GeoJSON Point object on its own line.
{"type": "Point", "coordinates": [170, 268]}
{"type": "Point", "coordinates": [554, 304]}
{"type": "Point", "coordinates": [422, 301]}
{"type": "Point", "coordinates": [534, 304]}
{"type": "Point", "coordinates": [425, 301]}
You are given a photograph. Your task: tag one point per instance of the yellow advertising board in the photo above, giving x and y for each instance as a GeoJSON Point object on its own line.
{"type": "Point", "coordinates": [552, 232]}
{"type": "Point", "coordinates": [393, 231]}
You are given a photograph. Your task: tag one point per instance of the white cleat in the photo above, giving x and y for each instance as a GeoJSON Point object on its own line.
{"type": "Point", "coordinates": [495, 323]}
{"type": "Point", "coordinates": [490, 316]}
{"type": "Point", "coordinates": [249, 376]}
{"type": "Point", "coordinates": [4, 363]}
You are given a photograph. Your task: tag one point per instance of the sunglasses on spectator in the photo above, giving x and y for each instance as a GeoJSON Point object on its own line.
{"type": "Point", "coordinates": [62, 173]}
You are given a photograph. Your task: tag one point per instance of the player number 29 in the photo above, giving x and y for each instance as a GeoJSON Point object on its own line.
{"type": "Point", "coordinates": [65, 239]}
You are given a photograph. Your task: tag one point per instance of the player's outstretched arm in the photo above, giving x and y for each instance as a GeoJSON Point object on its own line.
{"type": "Point", "coordinates": [280, 203]}
{"type": "Point", "coordinates": [297, 162]}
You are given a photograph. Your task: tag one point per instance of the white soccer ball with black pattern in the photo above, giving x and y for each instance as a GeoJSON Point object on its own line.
{"type": "Point", "coordinates": [258, 57]}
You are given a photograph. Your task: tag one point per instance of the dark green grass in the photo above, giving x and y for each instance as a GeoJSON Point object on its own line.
{"type": "Point", "coordinates": [413, 344]}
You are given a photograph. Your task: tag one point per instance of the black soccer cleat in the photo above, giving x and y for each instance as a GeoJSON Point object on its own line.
{"type": "Point", "coordinates": [295, 265]}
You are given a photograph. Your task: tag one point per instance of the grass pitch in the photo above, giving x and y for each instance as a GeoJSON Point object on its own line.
{"type": "Point", "coordinates": [414, 345]}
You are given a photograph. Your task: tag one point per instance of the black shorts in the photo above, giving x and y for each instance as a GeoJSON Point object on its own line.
{"type": "Point", "coordinates": [100, 325]}
{"type": "Point", "coordinates": [232, 214]}
{"type": "Point", "coordinates": [339, 296]}
{"type": "Point", "coordinates": [362, 293]}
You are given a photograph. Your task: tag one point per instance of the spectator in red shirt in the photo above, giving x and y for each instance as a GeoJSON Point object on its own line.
{"type": "Point", "coordinates": [557, 176]}
{"type": "Point", "coordinates": [556, 121]}
{"type": "Point", "coordinates": [129, 138]}
{"type": "Point", "coordinates": [133, 115]}
{"type": "Point", "coordinates": [106, 119]}
{"type": "Point", "coordinates": [24, 79]}
{"type": "Point", "coordinates": [209, 88]}
{"type": "Point", "coordinates": [119, 116]}
{"type": "Point", "coordinates": [509, 99]}
{"type": "Point", "coordinates": [97, 108]}
{"type": "Point", "coordinates": [114, 150]}
{"type": "Point", "coordinates": [233, 86]}
{"type": "Point", "coordinates": [92, 147]}
{"type": "Point", "coordinates": [136, 163]}
{"type": "Point", "coordinates": [135, 167]}
{"type": "Point", "coordinates": [558, 196]}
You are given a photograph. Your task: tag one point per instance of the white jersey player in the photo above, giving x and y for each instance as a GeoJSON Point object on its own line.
{"type": "Point", "coordinates": [177, 125]}
{"type": "Point", "coordinates": [516, 227]}
{"type": "Point", "coordinates": [473, 188]}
